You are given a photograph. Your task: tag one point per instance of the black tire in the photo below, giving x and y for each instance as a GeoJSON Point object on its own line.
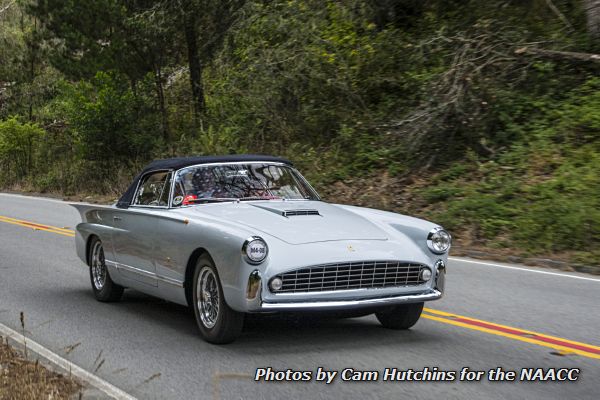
{"type": "Point", "coordinates": [219, 326]}
{"type": "Point", "coordinates": [400, 317]}
{"type": "Point", "coordinates": [105, 290]}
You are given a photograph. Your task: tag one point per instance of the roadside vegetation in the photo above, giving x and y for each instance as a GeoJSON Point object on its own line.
{"type": "Point", "coordinates": [24, 379]}
{"type": "Point", "coordinates": [482, 116]}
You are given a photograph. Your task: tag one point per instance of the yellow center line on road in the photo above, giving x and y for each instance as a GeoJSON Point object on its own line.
{"type": "Point", "coordinates": [38, 227]}
{"type": "Point", "coordinates": [564, 346]}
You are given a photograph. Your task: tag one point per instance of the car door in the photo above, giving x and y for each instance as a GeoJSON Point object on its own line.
{"type": "Point", "coordinates": [137, 228]}
{"type": "Point", "coordinates": [173, 250]}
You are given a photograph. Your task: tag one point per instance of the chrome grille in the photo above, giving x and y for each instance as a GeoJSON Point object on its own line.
{"type": "Point", "coordinates": [353, 275]}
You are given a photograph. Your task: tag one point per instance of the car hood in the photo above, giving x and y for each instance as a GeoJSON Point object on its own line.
{"type": "Point", "coordinates": [296, 222]}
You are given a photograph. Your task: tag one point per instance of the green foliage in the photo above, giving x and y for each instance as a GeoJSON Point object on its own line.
{"type": "Point", "coordinates": [543, 193]}
{"type": "Point", "coordinates": [18, 147]}
{"type": "Point", "coordinates": [212, 141]}
{"type": "Point", "coordinates": [108, 121]}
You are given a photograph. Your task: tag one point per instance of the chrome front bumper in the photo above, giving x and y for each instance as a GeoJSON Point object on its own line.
{"type": "Point", "coordinates": [433, 294]}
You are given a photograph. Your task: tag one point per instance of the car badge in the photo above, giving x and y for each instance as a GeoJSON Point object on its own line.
{"type": "Point", "coordinates": [177, 200]}
{"type": "Point", "coordinates": [350, 248]}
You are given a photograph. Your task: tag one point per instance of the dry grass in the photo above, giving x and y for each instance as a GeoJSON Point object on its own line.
{"type": "Point", "coordinates": [24, 379]}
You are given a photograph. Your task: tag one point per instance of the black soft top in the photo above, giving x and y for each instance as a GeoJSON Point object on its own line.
{"type": "Point", "coordinates": [182, 162]}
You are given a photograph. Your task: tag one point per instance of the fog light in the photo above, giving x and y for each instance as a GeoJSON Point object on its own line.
{"type": "Point", "coordinates": [276, 284]}
{"type": "Point", "coordinates": [426, 274]}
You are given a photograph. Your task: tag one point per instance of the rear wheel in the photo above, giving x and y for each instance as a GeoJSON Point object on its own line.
{"type": "Point", "coordinates": [217, 322]}
{"type": "Point", "coordinates": [400, 317]}
{"type": "Point", "coordinates": [104, 288]}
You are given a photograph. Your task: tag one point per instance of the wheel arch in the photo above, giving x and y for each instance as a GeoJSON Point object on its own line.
{"type": "Point", "coordinates": [189, 272]}
{"type": "Point", "coordinates": [88, 246]}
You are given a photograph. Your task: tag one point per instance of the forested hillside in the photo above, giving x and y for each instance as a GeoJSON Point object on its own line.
{"type": "Point", "coordinates": [483, 116]}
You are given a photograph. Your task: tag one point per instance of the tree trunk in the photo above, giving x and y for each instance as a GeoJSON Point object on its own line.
{"type": "Point", "coordinates": [191, 38]}
{"type": "Point", "coordinates": [162, 103]}
{"type": "Point", "coordinates": [592, 13]}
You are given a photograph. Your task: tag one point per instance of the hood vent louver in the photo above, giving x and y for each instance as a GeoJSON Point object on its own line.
{"type": "Point", "coordinates": [297, 213]}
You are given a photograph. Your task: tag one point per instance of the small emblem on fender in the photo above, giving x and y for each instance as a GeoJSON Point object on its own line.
{"type": "Point", "coordinates": [350, 248]}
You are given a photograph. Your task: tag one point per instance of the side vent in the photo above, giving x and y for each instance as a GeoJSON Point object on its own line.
{"type": "Point", "coordinates": [297, 213]}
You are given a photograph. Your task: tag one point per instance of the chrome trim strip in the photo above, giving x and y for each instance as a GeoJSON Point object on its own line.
{"type": "Point", "coordinates": [307, 183]}
{"type": "Point", "coordinates": [172, 190]}
{"type": "Point", "coordinates": [161, 207]}
{"type": "Point", "coordinates": [440, 275]}
{"type": "Point", "coordinates": [360, 291]}
{"type": "Point", "coordinates": [145, 273]}
{"type": "Point", "coordinates": [433, 294]}
{"type": "Point", "coordinates": [233, 163]}
{"type": "Point", "coordinates": [137, 188]}
{"type": "Point", "coordinates": [170, 281]}
{"type": "Point", "coordinates": [254, 285]}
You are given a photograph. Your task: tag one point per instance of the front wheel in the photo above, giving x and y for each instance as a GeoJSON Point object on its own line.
{"type": "Point", "coordinates": [217, 322]}
{"type": "Point", "coordinates": [400, 317]}
{"type": "Point", "coordinates": [104, 288]}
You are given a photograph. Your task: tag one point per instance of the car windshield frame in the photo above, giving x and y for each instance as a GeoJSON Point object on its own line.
{"type": "Point", "coordinates": [295, 173]}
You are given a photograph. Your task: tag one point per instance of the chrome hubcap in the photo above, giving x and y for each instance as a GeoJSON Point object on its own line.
{"type": "Point", "coordinates": [99, 272]}
{"type": "Point", "coordinates": [207, 293]}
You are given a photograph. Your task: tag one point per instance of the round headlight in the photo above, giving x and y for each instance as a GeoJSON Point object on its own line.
{"type": "Point", "coordinates": [255, 250]}
{"type": "Point", "coordinates": [439, 241]}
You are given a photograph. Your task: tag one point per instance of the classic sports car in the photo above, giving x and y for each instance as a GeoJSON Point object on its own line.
{"type": "Point", "coordinates": [248, 234]}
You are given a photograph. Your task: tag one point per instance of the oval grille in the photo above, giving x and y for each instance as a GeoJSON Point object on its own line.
{"type": "Point", "coordinates": [353, 275]}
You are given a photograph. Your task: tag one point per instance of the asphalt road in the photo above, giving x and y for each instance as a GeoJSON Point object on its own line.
{"type": "Point", "coordinates": [150, 349]}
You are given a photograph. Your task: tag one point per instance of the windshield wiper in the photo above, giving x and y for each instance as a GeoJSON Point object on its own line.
{"type": "Point", "coordinates": [212, 199]}
{"type": "Point", "coordinates": [259, 198]}
{"type": "Point", "coordinates": [225, 199]}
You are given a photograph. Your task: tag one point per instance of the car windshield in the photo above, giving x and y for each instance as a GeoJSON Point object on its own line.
{"type": "Point", "coordinates": [237, 182]}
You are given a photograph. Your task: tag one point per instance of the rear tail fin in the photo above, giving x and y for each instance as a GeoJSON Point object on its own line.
{"type": "Point", "coordinates": [86, 209]}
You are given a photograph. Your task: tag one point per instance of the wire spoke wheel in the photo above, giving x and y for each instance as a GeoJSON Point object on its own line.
{"type": "Point", "coordinates": [217, 322]}
{"type": "Point", "coordinates": [208, 297]}
{"type": "Point", "coordinates": [98, 266]}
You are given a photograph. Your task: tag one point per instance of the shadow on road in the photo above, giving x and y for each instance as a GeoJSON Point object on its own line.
{"type": "Point", "coordinates": [293, 333]}
{"type": "Point", "coordinates": [281, 333]}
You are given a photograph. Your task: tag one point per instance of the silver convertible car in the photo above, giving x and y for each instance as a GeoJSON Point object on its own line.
{"type": "Point", "coordinates": [244, 234]}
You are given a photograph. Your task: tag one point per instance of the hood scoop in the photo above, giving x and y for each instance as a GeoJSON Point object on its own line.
{"type": "Point", "coordinates": [294, 212]}
{"type": "Point", "coordinates": [299, 212]}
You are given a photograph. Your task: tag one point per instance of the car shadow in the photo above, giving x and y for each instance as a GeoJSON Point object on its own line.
{"type": "Point", "coordinates": [283, 333]}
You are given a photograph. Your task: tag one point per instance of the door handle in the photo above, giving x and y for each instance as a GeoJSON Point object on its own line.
{"type": "Point", "coordinates": [116, 218]}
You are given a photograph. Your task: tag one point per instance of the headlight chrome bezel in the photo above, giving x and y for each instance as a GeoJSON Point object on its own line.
{"type": "Point", "coordinates": [431, 237]}
{"type": "Point", "coordinates": [246, 250]}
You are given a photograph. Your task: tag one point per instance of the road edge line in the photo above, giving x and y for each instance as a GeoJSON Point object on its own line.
{"type": "Point", "coordinates": [66, 365]}
{"type": "Point", "coordinates": [567, 275]}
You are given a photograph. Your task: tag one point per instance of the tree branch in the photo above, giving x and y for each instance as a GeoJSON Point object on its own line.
{"type": "Point", "coordinates": [6, 7]}
{"type": "Point", "coordinates": [560, 15]}
{"type": "Point", "coordinates": [559, 55]}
